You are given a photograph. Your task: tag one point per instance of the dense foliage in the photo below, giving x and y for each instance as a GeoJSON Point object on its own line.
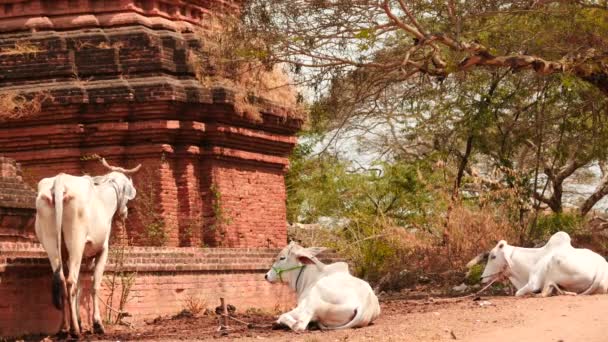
{"type": "Point", "coordinates": [479, 112]}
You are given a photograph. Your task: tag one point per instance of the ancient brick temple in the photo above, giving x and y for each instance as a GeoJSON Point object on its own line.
{"type": "Point", "coordinates": [114, 78]}
{"type": "Point", "coordinates": [115, 81]}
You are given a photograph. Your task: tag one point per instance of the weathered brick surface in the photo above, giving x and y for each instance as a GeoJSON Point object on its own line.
{"type": "Point", "coordinates": [252, 204]}
{"type": "Point", "coordinates": [17, 206]}
{"type": "Point", "coordinates": [120, 86]}
{"type": "Point", "coordinates": [117, 83]}
{"type": "Point", "coordinates": [166, 278]}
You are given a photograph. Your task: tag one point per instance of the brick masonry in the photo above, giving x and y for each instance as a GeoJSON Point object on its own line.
{"type": "Point", "coordinates": [117, 83]}
{"type": "Point", "coordinates": [16, 203]}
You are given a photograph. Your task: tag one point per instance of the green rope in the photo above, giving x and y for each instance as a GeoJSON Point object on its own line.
{"type": "Point", "coordinates": [280, 271]}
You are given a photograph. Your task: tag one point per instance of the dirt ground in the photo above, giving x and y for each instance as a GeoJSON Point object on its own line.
{"type": "Point", "coordinates": [495, 319]}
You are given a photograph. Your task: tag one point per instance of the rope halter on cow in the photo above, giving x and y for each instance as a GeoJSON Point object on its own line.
{"type": "Point", "coordinates": [280, 271]}
{"type": "Point", "coordinates": [505, 271]}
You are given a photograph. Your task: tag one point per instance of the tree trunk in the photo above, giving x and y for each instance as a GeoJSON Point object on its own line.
{"type": "Point", "coordinates": [556, 198]}
{"type": "Point", "coordinates": [463, 165]}
{"type": "Point", "coordinates": [599, 193]}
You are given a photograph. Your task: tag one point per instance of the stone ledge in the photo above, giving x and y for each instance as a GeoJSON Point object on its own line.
{"type": "Point", "coordinates": [60, 14]}
{"type": "Point", "coordinates": [146, 89]}
{"type": "Point", "coordinates": [16, 256]}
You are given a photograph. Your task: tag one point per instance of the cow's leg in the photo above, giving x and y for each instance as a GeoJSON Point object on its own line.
{"type": "Point", "coordinates": [296, 319]}
{"type": "Point", "coordinates": [548, 289]}
{"type": "Point", "coordinates": [528, 288]}
{"type": "Point", "coordinates": [48, 239]}
{"type": "Point", "coordinates": [100, 264]}
{"type": "Point", "coordinates": [78, 293]}
{"type": "Point", "coordinates": [287, 319]}
{"type": "Point", "coordinates": [72, 285]}
{"type": "Point", "coordinates": [564, 292]}
{"type": "Point", "coordinates": [65, 311]}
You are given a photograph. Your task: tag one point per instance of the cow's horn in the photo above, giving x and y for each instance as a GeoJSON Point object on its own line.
{"type": "Point", "coordinates": [112, 168]}
{"type": "Point", "coordinates": [133, 170]}
{"type": "Point", "coordinates": [120, 169]}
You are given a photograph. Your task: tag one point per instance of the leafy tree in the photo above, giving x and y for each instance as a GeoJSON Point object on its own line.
{"type": "Point", "coordinates": [395, 40]}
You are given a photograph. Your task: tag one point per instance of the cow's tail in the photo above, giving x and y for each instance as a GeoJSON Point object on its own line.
{"type": "Point", "coordinates": [359, 312]}
{"type": "Point", "coordinates": [360, 316]}
{"type": "Point", "coordinates": [596, 282]}
{"type": "Point", "coordinates": [58, 189]}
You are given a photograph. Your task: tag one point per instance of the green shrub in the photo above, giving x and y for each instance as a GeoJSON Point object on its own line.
{"type": "Point", "coordinates": [547, 225]}
{"type": "Point", "coordinates": [475, 273]}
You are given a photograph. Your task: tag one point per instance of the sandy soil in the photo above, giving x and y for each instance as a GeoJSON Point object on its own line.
{"type": "Point", "coordinates": [495, 319]}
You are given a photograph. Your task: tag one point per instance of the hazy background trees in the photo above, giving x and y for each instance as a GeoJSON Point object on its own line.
{"type": "Point", "coordinates": [472, 115]}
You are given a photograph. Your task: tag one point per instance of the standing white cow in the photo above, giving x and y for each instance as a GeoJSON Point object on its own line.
{"type": "Point", "coordinates": [327, 294]}
{"type": "Point", "coordinates": [74, 216]}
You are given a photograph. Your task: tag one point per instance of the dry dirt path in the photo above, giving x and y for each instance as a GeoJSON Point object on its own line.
{"type": "Point", "coordinates": [508, 319]}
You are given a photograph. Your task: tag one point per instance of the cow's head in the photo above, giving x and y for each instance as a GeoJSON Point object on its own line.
{"type": "Point", "coordinates": [497, 263]}
{"type": "Point", "coordinates": [125, 191]}
{"type": "Point", "coordinates": [292, 258]}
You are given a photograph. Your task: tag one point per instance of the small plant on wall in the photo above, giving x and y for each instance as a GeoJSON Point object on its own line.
{"type": "Point", "coordinates": [147, 211]}
{"type": "Point", "coordinates": [119, 284]}
{"type": "Point", "coordinates": [221, 217]}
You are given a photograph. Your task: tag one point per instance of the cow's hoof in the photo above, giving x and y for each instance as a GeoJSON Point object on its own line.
{"type": "Point", "coordinates": [312, 325]}
{"type": "Point", "coordinates": [279, 326]}
{"type": "Point", "coordinates": [62, 335]}
{"type": "Point", "coordinates": [74, 334]}
{"type": "Point", "coordinates": [98, 328]}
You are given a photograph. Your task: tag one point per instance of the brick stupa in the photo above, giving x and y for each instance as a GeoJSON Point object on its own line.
{"type": "Point", "coordinates": [117, 83]}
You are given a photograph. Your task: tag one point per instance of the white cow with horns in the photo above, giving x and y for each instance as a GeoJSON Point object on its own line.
{"type": "Point", "coordinates": [327, 294]}
{"type": "Point", "coordinates": [75, 214]}
{"type": "Point", "coordinates": [557, 266]}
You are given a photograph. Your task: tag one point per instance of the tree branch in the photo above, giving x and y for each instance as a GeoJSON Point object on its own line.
{"type": "Point", "coordinates": [600, 191]}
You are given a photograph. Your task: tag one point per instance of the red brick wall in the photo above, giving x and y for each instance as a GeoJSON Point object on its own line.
{"type": "Point", "coordinates": [119, 83]}
{"type": "Point", "coordinates": [252, 204]}
{"type": "Point", "coordinates": [17, 207]}
{"type": "Point", "coordinates": [166, 278]}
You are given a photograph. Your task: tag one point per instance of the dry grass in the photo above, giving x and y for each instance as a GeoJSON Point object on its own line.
{"type": "Point", "coordinates": [195, 304]}
{"type": "Point", "coordinates": [251, 82]}
{"type": "Point", "coordinates": [471, 232]}
{"type": "Point", "coordinates": [15, 105]}
{"type": "Point", "coordinates": [222, 62]}
{"type": "Point", "coordinates": [21, 48]}
{"type": "Point", "coordinates": [386, 250]}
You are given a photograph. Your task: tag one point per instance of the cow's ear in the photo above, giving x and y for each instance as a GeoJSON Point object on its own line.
{"type": "Point", "coordinates": [305, 260]}
{"type": "Point", "coordinates": [313, 251]}
{"type": "Point", "coordinates": [306, 255]}
{"type": "Point", "coordinates": [129, 191]}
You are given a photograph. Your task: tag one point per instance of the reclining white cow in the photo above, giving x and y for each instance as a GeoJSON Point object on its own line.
{"type": "Point", "coordinates": [327, 294]}
{"type": "Point", "coordinates": [556, 266]}
{"type": "Point", "coordinates": [77, 212]}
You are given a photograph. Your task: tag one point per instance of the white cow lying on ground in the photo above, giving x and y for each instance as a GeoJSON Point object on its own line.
{"type": "Point", "coordinates": [517, 263]}
{"type": "Point", "coordinates": [556, 266]}
{"type": "Point", "coordinates": [76, 213]}
{"type": "Point", "coordinates": [568, 270]}
{"type": "Point", "coordinates": [327, 294]}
